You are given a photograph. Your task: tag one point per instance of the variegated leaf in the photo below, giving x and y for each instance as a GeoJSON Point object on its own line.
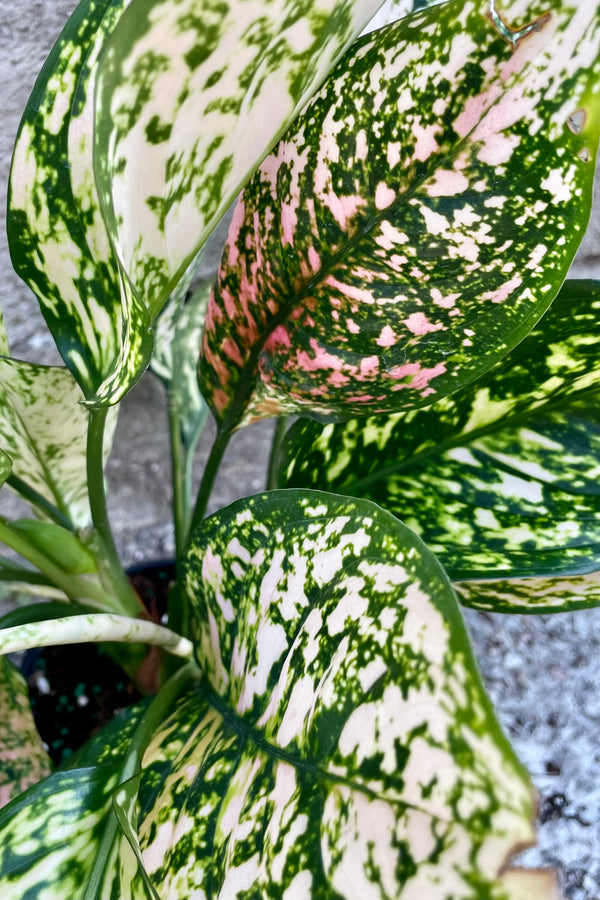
{"type": "Point", "coordinates": [341, 744]}
{"type": "Point", "coordinates": [4, 348]}
{"type": "Point", "coordinates": [418, 219]}
{"type": "Point", "coordinates": [112, 743]}
{"type": "Point", "coordinates": [166, 323]}
{"type": "Point", "coordinates": [188, 302]}
{"type": "Point", "coordinates": [23, 584]}
{"type": "Point", "coordinates": [532, 595]}
{"type": "Point", "coordinates": [43, 428]}
{"type": "Point", "coordinates": [23, 760]}
{"type": "Point", "coordinates": [70, 835]}
{"type": "Point", "coordinates": [52, 834]}
{"type": "Point", "coordinates": [58, 240]}
{"type": "Point", "coordinates": [191, 96]}
{"type": "Point", "coordinates": [5, 467]}
{"type": "Point", "coordinates": [500, 479]}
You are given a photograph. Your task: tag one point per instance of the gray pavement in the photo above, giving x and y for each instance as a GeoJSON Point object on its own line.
{"type": "Point", "coordinates": [543, 672]}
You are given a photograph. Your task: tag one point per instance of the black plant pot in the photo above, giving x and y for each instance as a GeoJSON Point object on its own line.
{"type": "Point", "coordinates": [76, 689]}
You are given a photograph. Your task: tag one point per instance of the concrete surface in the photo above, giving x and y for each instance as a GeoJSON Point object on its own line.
{"type": "Point", "coordinates": [543, 672]}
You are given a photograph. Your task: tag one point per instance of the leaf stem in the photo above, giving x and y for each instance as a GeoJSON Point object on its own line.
{"type": "Point", "coordinates": [92, 628]}
{"type": "Point", "coordinates": [36, 499]}
{"type": "Point", "coordinates": [95, 476]}
{"type": "Point", "coordinates": [179, 479]}
{"type": "Point", "coordinates": [278, 436]}
{"type": "Point", "coordinates": [78, 587]}
{"type": "Point", "coordinates": [153, 717]}
{"type": "Point", "coordinates": [179, 609]}
{"type": "Point", "coordinates": [12, 572]}
{"type": "Point", "coordinates": [210, 473]}
{"type": "Point", "coordinates": [128, 600]}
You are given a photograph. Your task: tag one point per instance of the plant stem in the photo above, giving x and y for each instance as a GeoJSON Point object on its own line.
{"type": "Point", "coordinates": [93, 628]}
{"type": "Point", "coordinates": [128, 600]}
{"type": "Point", "coordinates": [278, 436]}
{"type": "Point", "coordinates": [210, 473]}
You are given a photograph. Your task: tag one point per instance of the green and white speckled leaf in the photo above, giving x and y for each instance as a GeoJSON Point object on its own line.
{"type": "Point", "coordinates": [43, 429]}
{"type": "Point", "coordinates": [5, 467]}
{"type": "Point", "coordinates": [58, 241]}
{"type": "Point", "coordinates": [73, 835]}
{"type": "Point", "coordinates": [51, 836]}
{"type": "Point", "coordinates": [417, 220]}
{"type": "Point", "coordinates": [500, 479]}
{"type": "Point", "coordinates": [341, 744]}
{"type": "Point", "coordinates": [4, 348]}
{"type": "Point", "coordinates": [531, 595]}
{"type": "Point", "coordinates": [23, 760]}
{"type": "Point", "coordinates": [191, 96]}
{"type": "Point", "coordinates": [166, 324]}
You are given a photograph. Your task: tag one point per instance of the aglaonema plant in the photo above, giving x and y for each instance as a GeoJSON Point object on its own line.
{"type": "Point", "coordinates": [394, 274]}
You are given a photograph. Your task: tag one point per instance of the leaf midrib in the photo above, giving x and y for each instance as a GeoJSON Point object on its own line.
{"type": "Point", "coordinates": [250, 734]}
{"type": "Point", "coordinates": [464, 438]}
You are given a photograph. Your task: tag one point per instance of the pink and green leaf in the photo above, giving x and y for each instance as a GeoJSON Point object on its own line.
{"type": "Point", "coordinates": [415, 222]}
{"type": "Point", "coordinates": [499, 479]}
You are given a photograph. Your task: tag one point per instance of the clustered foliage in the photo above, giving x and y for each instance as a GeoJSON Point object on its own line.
{"type": "Point", "coordinates": [394, 276]}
